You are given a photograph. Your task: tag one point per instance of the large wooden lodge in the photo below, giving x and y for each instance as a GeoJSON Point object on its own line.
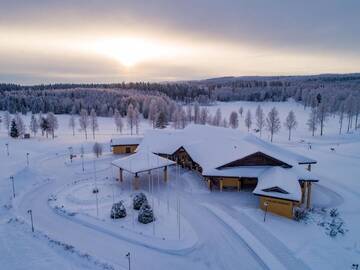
{"type": "Point", "coordinates": [230, 160]}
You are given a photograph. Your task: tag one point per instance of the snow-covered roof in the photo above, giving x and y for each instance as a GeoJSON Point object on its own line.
{"type": "Point", "coordinates": [212, 147]}
{"type": "Point", "coordinates": [126, 140]}
{"type": "Point", "coordinates": [280, 183]}
{"type": "Point", "coordinates": [142, 161]}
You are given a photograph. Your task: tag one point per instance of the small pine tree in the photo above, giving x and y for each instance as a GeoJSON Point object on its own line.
{"type": "Point", "coordinates": [14, 133]}
{"type": "Point", "coordinates": [161, 120]}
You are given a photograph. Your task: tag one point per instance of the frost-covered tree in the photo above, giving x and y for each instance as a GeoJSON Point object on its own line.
{"type": "Point", "coordinates": [290, 123]}
{"type": "Point", "coordinates": [20, 124]}
{"type": "Point", "coordinates": [161, 120]}
{"type": "Point", "coordinates": [341, 117]}
{"type": "Point", "coordinates": [248, 120]}
{"type": "Point", "coordinates": [234, 120]}
{"type": "Point", "coordinates": [196, 113]}
{"type": "Point", "coordinates": [224, 123]}
{"type": "Point", "coordinates": [93, 122]}
{"type": "Point", "coordinates": [84, 121]}
{"type": "Point", "coordinates": [7, 121]}
{"type": "Point", "coordinates": [72, 122]}
{"type": "Point", "coordinates": [260, 119]}
{"type": "Point", "coordinates": [216, 121]}
{"type": "Point", "coordinates": [97, 149]}
{"type": "Point", "coordinates": [312, 122]}
{"type": "Point", "coordinates": [349, 110]}
{"type": "Point", "coordinates": [53, 123]}
{"type": "Point", "coordinates": [130, 116]}
{"type": "Point", "coordinates": [118, 121]}
{"type": "Point", "coordinates": [188, 113]}
{"type": "Point", "coordinates": [322, 114]}
{"type": "Point", "coordinates": [34, 125]}
{"type": "Point", "coordinates": [137, 120]}
{"type": "Point", "coordinates": [204, 114]}
{"type": "Point", "coordinates": [44, 125]}
{"type": "Point", "coordinates": [110, 112]}
{"type": "Point", "coordinates": [273, 123]}
{"type": "Point", "coordinates": [153, 111]}
{"type": "Point", "coordinates": [241, 110]}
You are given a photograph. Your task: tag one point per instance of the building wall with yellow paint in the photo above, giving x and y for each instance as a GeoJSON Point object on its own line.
{"type": "Point", "coordinates": [277, 206]}
{"type": "Point", "coordinates": [231, 182]}
{"type": "Point", "coordinates": [124, 149]}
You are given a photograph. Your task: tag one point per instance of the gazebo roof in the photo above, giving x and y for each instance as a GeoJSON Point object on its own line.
{"type": "Point", "coordinates": [142, 161]}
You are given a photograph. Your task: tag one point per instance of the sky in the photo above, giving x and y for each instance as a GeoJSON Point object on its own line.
{"type": "Point", "coordinates": [45, 41]}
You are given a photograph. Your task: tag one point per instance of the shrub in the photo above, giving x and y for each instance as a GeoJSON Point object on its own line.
{"type": "Point", "coordinates": [139, 200]}
{"type": "Point", "coordinates": [146, 214]}
{"type": "Point", "coordinates": [118, 210]}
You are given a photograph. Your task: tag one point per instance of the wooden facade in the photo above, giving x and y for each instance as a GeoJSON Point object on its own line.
{"type": "Point", "coordinates": [257, 159]}
{"type": "Point", "coordinates": [124, 149]}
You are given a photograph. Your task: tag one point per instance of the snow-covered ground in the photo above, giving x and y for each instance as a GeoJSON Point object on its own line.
{"type": "Point", "coordinates": [217, 230]}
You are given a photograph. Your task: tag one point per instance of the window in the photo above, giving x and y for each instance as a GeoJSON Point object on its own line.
{"type": "Point", "coordinates": [275, 189]}
{"type": "Point", "coordinates": [127, 150]}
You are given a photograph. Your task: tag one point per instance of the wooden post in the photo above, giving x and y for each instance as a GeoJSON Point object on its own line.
{"type": "Point", "coordinates": [121, 174]}
{"type": "Point", "coordinates": [303, 190]}
{"type": "Point", "coordinates": [221, 185]}
{"type": "Point", "coordinates": [165, 174]}
{"type": "Point", "coordinates": [308, 199]}
{"type": "Point", "coordinates": [238, 185]}
{"type": "Point", "coordinates": [136, 182]}
{"type": "Point", "coordinates": [309, 167]}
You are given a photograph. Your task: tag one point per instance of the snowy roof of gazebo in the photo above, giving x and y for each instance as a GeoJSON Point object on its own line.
{"type": "Point", "coordinates": [126, 140]}
{"type": "Point", "coordinates": [142, 161]}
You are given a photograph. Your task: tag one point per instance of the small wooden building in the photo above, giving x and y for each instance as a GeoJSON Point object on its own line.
{"type": "Point", "coordinates": [125, 144]}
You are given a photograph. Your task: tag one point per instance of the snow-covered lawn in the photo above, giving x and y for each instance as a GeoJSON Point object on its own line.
{"type": "Point", "coordinates": [215, 238]}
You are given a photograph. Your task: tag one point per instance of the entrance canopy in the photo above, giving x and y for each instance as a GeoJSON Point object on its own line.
{"type": "Point", "coordinates": [141, 161]}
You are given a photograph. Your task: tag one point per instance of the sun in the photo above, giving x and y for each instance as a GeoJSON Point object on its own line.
{"type": "Point", "coordinates": [131, 51]}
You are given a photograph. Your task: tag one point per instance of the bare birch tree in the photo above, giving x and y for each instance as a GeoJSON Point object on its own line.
{"type": "Point", "coordinates": [290, 123]}
{"type": "Point", "coordinates": [118, 121]}
{"type": "Point", "coordinates": [93, 122]}
{"type": "Point", "coordinates": [84, 121]}
{"type": "Point", "coordinates": [248, 120]}
{"type": "Point", "coordinates": [273, 123]}
{"type": "Point", "coordinates": [234, 120]}
{"type": "Point", "coordinates": [260, 119]}
{"type": "Point", "coordinates": [130, 116]}
{"type": "Point", "coordinates": [312, 122]}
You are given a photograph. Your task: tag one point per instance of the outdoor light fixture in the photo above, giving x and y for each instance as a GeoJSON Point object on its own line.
{"type": "Point", "coordinates": [266, 204]}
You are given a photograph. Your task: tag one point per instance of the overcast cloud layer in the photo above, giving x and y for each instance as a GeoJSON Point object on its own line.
{"type": "Point", "coordinates": [54, 41]}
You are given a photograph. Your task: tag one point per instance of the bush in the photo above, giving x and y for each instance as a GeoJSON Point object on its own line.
{"type": "Point", "coordinates": [146, 214]}
{"type": "Point", "coordinates": [334, 212]}
{"type": "Point", "coordinates": [300, 214]}
{"type": "Point", "coordinates": [139, 200]}
{"type": "Point", "coordinates": [118, 210]}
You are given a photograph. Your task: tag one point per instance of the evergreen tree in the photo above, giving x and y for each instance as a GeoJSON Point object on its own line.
{"type": "Point", "coordinates": [161, 120]}
{"type": "Point", "coordinates": [14, 133]}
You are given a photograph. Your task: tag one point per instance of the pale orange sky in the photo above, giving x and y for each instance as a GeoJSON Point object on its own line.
{"type": "Point", "coordinates": [114, 41]}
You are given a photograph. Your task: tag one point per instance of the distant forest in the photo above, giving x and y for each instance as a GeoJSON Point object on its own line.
{"type": "Point", "coordinates": [335, 90]}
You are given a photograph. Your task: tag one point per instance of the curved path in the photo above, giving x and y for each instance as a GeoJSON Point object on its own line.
{"type": "Point", "coordinates": [218, 246]}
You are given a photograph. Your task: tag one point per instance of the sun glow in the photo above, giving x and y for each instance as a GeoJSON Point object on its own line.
{"type": "Point", "coordinates": [132, 51]}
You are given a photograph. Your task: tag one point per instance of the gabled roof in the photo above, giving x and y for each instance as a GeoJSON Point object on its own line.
{"type": "Point", "coordinates": [126, 140]}
{"type": "Point", "coordinates": [278, 178]}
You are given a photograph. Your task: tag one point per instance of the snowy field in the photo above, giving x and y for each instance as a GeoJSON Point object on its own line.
{"type": "Point", "coordinates": [217, 230]}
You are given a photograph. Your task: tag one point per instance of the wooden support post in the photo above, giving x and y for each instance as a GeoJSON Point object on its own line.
{"type": "Point", "coordinates": [165, 174]}
{"type": "Point", "coordinates": [308, 199]}
{"type": "Point", "coordinates": [238, 185]}
{"type": "Point", "coordinates": [221, 185]}
{"type": "Point", "coordinates": [303, 191]}
{"type": "Point", "coordinates": [309, 167]}
{"type": "Point", "coordinates": [121, 175]}
{"type": "Point", "coordinates": [136, 183]}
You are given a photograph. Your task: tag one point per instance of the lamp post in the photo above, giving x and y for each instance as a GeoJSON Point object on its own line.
{"type": "Point", "coordinates": [71, 153]}
{"type": "Point", "coordinates": [128, 257]}
{"type": "Point", "coordinates": [31, 217]}
{"type": "Point", "coordinates": [7, 149]}
{"type": "Point", "coordinates": [27, 159]}
{"type": "Point", "coordinates": [266, 204]}
{"type": "Point", "coordinates": [13, 185]}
